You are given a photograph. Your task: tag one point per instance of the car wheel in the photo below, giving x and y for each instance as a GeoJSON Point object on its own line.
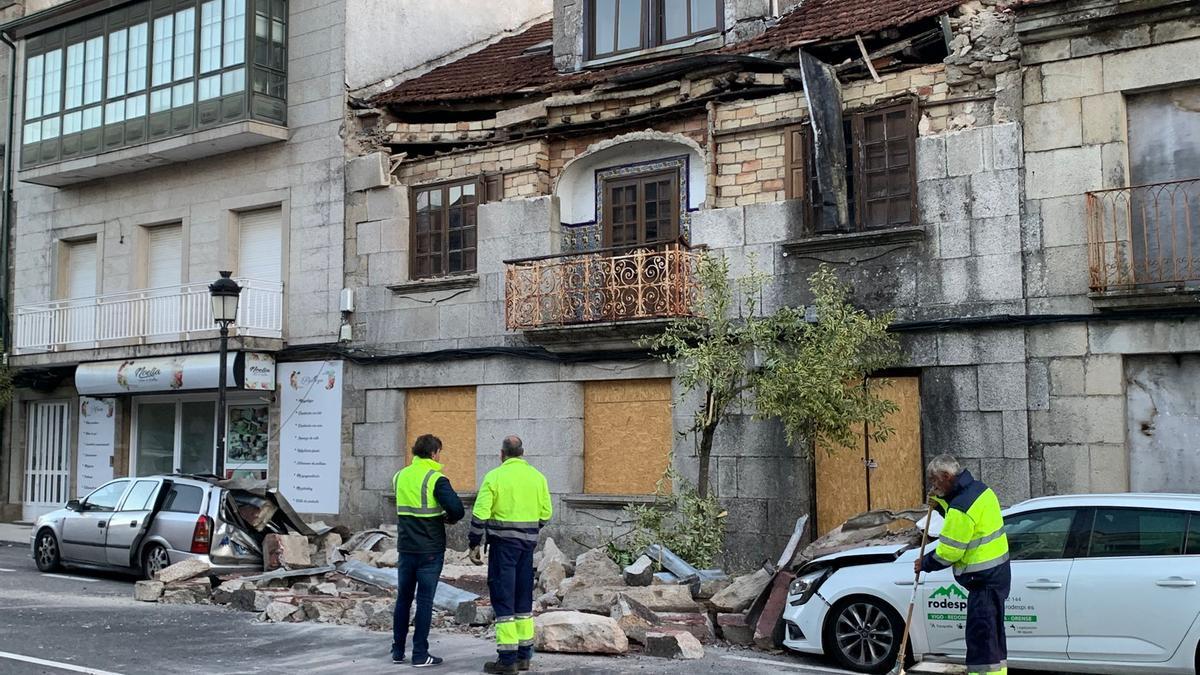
{"type": "Point", "coordinates": [154, 559]}
{"type": "Point", "coordinates": [863, 634]}
{"type": "Point", "coordinates": [46, 552]}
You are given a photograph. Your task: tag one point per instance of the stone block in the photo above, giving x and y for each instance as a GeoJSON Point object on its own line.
{"type": "Point", "coordinates": [1067, 469]}
{"type": "Point", "coordinates": [289, 551]}
{"type": "Point", "coordinates": [1062, 172]}
{"type": "Point", "coordinates": [1064, 221]}
{"type": "Point", "coordinates": [996, 236]}
{"type": "Point", "coordinates": [378, 472]}
{"type": "Point", "coordinates": [191, 592]}
{"type": "Point", "coordinates": [148, 591]}
{"type": "Point", "coordinates": [640, 572]}
{"type": "Point", "coordinates": [1145, 337]}
{"type": "Point", "coordinates": [183, 570]}
{"type": "Point", "coordinates": [1016, 434]}
{"type": "Point", "coordinates": [1105, 375]}
{"type": "Point", "coordinates": [378, 439]}
{"type": "Point", "coordinates": [594, 564]}
{"type": "Point", "coordinates": [1127, 37]}
{"type": "Point", "coordinates": [954, 239]}
{"type": "Point", "coordinates": [774, 222]}
{"type": "Point", "coordinates": [743, 591]}
{"type": "Point", "coordinates": [367, 172]}
{"type": "Point", "coordinates": [385, 405]}
{"type": "Point", "coordinates": [968, 152]}
{"type": "Point", "coordinates": [719, 228]}
{"type": "Point", "coordinates": [1072, 79]}
{"type": "Point", "coordinates": [1002, 386]}
{"type": "Point", "coordinates": [1058, 124]}
{"type": "Point", "coordinates": [633, 617]}
{"type": "Point", "coordinates": [280, 612]}
{"type": "Point", "coordinates": [542, 438]}
{"type": "Point", "coordinates": [1081, 420]}
{"type": "Point", "coordinates": [673, 645]}
{"type": "Point", "coordinates": [1009, 478]}
{"type": "Point", "coordinates": [496, 402]}
{"type": "Point", "coordinates": [1008, 151]}
{"type": "Point", "coordinates": [1103, 119]}
{"type": "Point", "coordinates": [1043, 52]}
{"type": "Point", "coordinates": [734, 629]}
{"type": "Point", "coordinates": [1109, 468]}
{"type": "Point", "coordinates": [454, 321]}
{"type": "Point", "coordinates": [367, 237]}
{"type": "Point", "coordinates": [961, 384]}
{"type": "Point", "coordinates": [550, 400]}
{"type": "Point", "coordinates": [1032, 85]}
{"type": "Point", "coordinates": [1066, 377]}
{"type": "Point", "coordinates": [576, 632]}
{"type": "Point", "coordinates": [957, 348]}
{"type": "Point", "coordinates": [599, 600]}
{"type": "Point", "coordinates": [931, 157]}
{"type": "Point", "coordinates": [1140, 68]}
{"type": "Point", "coordinates": [1173, 31]}
{"type": "Point", "coordinates": [1070, 339]}
{"type": "Point", "coordinates": [944, 200]}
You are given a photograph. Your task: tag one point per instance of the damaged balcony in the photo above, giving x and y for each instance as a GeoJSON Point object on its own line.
{"type": "Point", "coordinates": [138, 317]}
{"type": "Point", "coordinates": [608, 295]}
{"type": "Point", "coordinates": [1144, 244]}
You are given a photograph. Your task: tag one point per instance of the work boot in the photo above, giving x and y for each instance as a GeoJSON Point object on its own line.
{"type": "Point", "coordinates": [497, 668]}
{"type": "Point", "coordinates": [522, 664]}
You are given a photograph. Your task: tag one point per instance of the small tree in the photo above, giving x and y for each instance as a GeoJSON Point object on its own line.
{"type": "Point", "coordinates": [811, 376]}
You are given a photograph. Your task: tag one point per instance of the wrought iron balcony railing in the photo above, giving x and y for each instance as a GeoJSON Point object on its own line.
{"type": "Point", "coordinates": [606, 285]}
{"type": "Point", "coordinates": [152, 315]}
{"type": "Point", "coordinates": [1145, 237]}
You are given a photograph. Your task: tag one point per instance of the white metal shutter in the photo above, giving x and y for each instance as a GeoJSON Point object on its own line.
{"type": "Point", "coordinates": [47, 457]}
{"type": "Point", "coordinates": [260, 245]}
{"type": "Point", "coordinates": [81, 269]}
{"type": "Point", "coordinates": [164, 257]}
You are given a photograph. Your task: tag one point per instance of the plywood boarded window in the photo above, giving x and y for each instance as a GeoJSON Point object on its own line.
{"type": "Point", "coordinates": [626, 435]}
{"type": "Point", "coordinates": [874, 475]}
{"type": "Point", "coordinates": [449, 414]}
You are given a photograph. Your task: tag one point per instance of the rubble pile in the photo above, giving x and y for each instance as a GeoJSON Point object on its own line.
{"type": "Point", "coordinates": [659, 604]}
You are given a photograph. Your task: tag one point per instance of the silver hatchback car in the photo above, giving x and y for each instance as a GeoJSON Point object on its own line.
{"type": "Point", "coordinates": [144, 524]}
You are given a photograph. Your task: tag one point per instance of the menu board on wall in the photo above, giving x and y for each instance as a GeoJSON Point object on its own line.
{"type": "Point", "coordinates": [97, 440]}
{"type": "Point", "coordinates": [310, 436]}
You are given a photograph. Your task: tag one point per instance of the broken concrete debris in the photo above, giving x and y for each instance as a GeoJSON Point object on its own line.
{"type": "Point", "coordinates": [640, 572]}
{"type": "Point", "coordinates": [673, 644]}
{"type": "Point", "coordinates": [182, 571]}
{"type": "Point", "coordinates": [148, 591]}
{"type": "Point", "coordinates": [743, 591]}
{"type": "Point", "coordinates": [287, 551]}
{"type": "Point", "coordinates": [579, 633]}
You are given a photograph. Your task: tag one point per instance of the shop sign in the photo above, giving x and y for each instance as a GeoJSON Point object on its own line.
{"type": "Point", "coordinates": [310, 435]}
{"type": "Point", "coordinates": [97, 441]}
{"type": "Point", "coordinates": [176, 373]}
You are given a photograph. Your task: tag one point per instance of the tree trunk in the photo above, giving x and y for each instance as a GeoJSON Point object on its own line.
{"type": "Point", "coordinates": [706, 443]}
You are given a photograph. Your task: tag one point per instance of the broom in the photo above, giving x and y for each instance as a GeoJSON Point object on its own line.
{"type": "Point", "coordinates": [912, 601]}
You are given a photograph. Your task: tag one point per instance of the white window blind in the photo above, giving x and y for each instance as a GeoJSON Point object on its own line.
{"type": "Point", "coordinates": [260, 245]}
{"type": "Point", "coordinates": [81, 269]}
{"type": "Point", "coordinates": [164, 257]}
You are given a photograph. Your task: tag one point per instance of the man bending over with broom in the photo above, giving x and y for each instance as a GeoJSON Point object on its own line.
{"type": "Point", "coordinates": [973, 542]}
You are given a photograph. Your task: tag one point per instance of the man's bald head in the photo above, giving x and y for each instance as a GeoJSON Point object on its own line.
{"type": "Point", "coordinates": [512, 447]}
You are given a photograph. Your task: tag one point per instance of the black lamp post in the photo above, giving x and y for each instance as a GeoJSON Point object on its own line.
{"type": "Point", "coordinates": [225, 292]}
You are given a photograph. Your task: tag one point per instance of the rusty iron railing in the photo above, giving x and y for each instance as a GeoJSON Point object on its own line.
{"type": "Point", "coordinates": [1145, 237]}
{"type": "Point", "coordinates": [601, 286]}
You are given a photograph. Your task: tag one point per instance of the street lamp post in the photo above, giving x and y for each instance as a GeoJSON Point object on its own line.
{"type": "Point", "coordinates": [225, 292]}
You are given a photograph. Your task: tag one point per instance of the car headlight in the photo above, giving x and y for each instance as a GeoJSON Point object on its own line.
{"type": "Point", "coordinates": [803, 588]}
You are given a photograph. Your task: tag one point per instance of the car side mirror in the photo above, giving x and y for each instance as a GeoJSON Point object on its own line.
{"type": "Point", "coordinates": [74, 505]}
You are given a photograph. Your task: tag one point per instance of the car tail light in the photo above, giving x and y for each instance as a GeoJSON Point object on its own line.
{"type": "Point", "coordinates": [202, 535]}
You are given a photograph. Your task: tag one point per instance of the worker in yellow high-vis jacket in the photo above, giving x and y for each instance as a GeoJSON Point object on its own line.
{"type": "Point", "coordinates": [973, 542]}
{"type": "Point", "coordinates": [512, 506]}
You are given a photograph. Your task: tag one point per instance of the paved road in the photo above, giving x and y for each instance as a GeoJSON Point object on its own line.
{"type": "Point", "coordinates": [87, 622]}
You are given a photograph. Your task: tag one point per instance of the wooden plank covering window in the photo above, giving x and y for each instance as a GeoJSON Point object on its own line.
{"type": "Point", "coordinates": [627, 435]}
{"type": "Point", "coordinates": [845, 484]}
{"type": "Point", "coordinates": [449, 414]}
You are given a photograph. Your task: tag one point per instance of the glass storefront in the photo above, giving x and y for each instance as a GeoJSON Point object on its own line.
{"type": "Point", "coordinates": [178, 434]}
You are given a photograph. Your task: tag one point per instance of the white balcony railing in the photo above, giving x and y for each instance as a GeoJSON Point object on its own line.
{"type": "Point", "coordinates": [151, 315]}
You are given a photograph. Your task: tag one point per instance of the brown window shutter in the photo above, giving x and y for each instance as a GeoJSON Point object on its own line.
{"type": "Point", "coordinates": [493, 188]}
{"type": "Point", "coordinates": [795, 150]}
{"type": "Point", "coordinates": [885, 167]}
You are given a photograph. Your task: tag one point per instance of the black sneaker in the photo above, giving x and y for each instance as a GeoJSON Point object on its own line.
{"type": "Point", "coordinates": [397, 659]}
{"type": "Point", "coordinates": [427, 662]}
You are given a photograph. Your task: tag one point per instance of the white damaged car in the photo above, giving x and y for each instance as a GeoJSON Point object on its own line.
{"type": "Point", "coordinates": [1100, 584]}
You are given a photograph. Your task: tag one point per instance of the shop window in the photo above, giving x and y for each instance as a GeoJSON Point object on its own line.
{"type": "Point", "coordinates": [881, 172]}
{"type": "Point", "coordinates": [148, 71]}
{"type": "Point", "coordinates": [444, 229]}
{"type": "Point", "coordinates": [642, 209]}
{"type": "Point", "coordinates": [248, 430]}
{"type": "Point", "coordinates": [449, 414]}
{"type": "Point", "coordinates": [627, 436]}
{"type": "Point", "coordinates": [622, 26]}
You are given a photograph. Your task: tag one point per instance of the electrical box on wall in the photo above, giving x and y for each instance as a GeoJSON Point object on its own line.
{"type": "Point", "coordinates": [347, 299]}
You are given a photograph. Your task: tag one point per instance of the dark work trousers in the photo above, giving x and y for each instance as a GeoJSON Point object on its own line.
{"type": "Point", "coordinates": [510, 583]}
{"type": "Point", "coordinates": [987, 650]}
{"type": "Point", "coordinates": [418, 573]}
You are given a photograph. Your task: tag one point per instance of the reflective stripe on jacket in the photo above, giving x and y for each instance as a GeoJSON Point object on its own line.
{"type": "Point", "coordinates": [512, 505]}
{"type": "Point", "coordinates": [972, 540]}
{"type": "Point", "coordinates": [414, 489]}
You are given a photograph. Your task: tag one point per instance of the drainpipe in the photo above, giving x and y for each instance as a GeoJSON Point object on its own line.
{"type": "Point", "coordinates": [6, 202]}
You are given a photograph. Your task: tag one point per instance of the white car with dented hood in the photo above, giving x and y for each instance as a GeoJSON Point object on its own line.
{"type": "Point", "coordinates": [1100, 584]}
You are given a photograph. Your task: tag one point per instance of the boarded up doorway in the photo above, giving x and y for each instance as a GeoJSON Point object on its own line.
{"type": "Point", "coordinates": [449, 414]}
{"type": "Point", "coordinates": [626, 435]}
{"type": "Point", "coordinates": [874, 475]}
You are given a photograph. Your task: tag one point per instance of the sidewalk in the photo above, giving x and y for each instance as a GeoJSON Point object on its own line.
{"type": "Point", "coordinates": [15, 533]}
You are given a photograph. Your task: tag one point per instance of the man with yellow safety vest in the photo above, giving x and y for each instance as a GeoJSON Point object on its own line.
{"type": "Point", "coordinates": [512, 506]}
{"type": "Point", "coordinates": [425, 502]}
{"type": "Point", "coordinates": [973, 542]}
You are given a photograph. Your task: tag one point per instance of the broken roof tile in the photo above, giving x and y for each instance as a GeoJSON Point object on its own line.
{"type": "Point", "coordinates": [818, 20]}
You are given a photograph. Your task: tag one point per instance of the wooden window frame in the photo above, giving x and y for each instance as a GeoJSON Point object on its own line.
{"type": "Point", "coordinates": [640, 179]}
{"type": "Point", "coordinates": [652, 31]}
{"type": "Point", "coordinates": [799, 174]}
{"type": "Point", "coordinates": [483, 185]}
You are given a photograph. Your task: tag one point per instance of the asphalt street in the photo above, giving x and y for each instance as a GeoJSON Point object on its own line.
{"type": "Point", "coordinates": [87, 622]}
